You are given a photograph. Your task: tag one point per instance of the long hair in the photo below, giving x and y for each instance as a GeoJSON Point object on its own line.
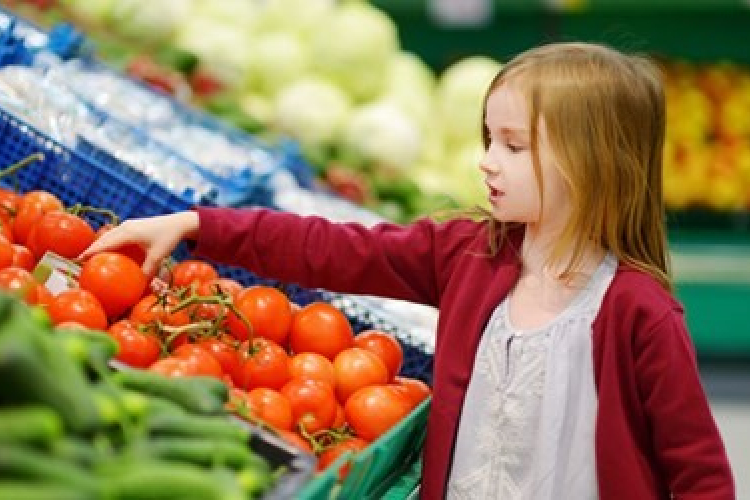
{"type": "Point", "coordinates": [605, 117]}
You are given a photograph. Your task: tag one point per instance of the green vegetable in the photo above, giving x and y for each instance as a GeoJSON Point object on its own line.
{"type": "Point", "coordinates": [19, 490]}
{"type": "Point", "coordinates": [185, 425]}
{"type": "Point", "coordinates": [29, 425]}
{"type": "Point", "coordinates": [92, 350]}
{"type": "Point", "coordinates": [34, 371]}
{"type": "Point", "coordinates": [197, 394]}
{"type": "Point", "coordinates": [166, 481]}
{"type": "Point", "coordinates": [40, 467]}
{"type": "Point", "coordinates": [203, 451]}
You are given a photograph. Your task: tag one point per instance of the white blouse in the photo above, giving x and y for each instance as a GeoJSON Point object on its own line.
{"type": "Point", "coordinates": [527, 422]}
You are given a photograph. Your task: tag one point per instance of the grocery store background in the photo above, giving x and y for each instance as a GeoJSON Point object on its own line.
{"type": "Point", "coordinates": [404, 142]}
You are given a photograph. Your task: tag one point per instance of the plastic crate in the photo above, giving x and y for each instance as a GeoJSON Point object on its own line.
{"type": "Point", "coordinates": [299, 466]}
{"type": "Point", "coordinates": [89, 176]}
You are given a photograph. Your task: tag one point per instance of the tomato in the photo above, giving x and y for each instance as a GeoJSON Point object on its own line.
{"type": "Point", "coordinates": [295, 439]}
{"type": "Point", "coordinates": [332, 453]}
{"type": "Point", "coordinates": [132, 250]}
{"type": "Point", "coordinates": [226, 354]}
{"type": "Point", "coordinates": [65, 234]}
{"type": "Point", "coordinates": [190, 271]}
{"type": "Point", "coordinates": [265, 364]}
{"type": "Point", "coordinates": [115, 280]}
{"type": "Point", "coordinates": [312, 365]}
{"type": "Point", "coordinates": [173, 367]}
{"type": "Point", "coordinates": [374, 409]}
{"type": "Point", "coordinates": [340, 419]}
{"type": "Point", "coordinates": [6, 252]}
{"type": "Point", "coordinates": [313, 403]}
{"type": "Point", "coordinates": [268, 311]}
{"type": "Point", "coordinates": [355, 368]}
{"type": "Point", "coordinates": [200, 360]}
{"type": "Point", "coordinates": [31, 207]}
{"type": "Point", "coordinates": [221, 288]}
{"type": "Point", "coordinates": [20, 283]}
{"type": "Point", "coordinates": [136, 348]}
{"type": "Point", "coordinates": [385, 346]}
{"type": "Point", "coordinates": [271, 407]}
{"type": "Point", "coordinates": [23, 258]}
{"type": "Point", "coordinates": [319, 327]}
{"type": "Point", "coordinates": [416, 390]}
{"type": "Point", "coordinates": [6, 228]}
{"type": "Point", "coordinates": [151, 309]}
{"type": "Point", "coordinates": [8, 201]}
{"type": "Point", "coordinates": [80, 306]}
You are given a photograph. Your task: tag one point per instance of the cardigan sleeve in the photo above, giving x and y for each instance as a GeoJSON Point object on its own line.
{"type": "Point", "coordinates": [686, 441]}
{"type": "Point", "coordinates": [387, 260]}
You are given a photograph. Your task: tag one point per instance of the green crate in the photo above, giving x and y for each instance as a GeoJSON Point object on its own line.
{"type": "Point", "coordinates": [375, 470]}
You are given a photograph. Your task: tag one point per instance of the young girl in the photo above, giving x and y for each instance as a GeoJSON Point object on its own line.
{"type": "Point", "coordinates": [563, 368]}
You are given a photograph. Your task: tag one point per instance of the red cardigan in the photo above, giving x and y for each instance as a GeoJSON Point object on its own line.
{"type": "Point", "coordinates": [655, 434]}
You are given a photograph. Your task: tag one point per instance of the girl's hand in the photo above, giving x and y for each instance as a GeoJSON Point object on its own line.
{"type": "Point", "coordinates": [157, 235]}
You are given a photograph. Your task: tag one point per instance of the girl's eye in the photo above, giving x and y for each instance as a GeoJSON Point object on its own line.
{"type": "Point", "coordinates": [514, 148]}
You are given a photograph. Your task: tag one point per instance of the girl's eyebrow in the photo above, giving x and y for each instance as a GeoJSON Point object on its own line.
{"type": "Point", "coordinates": [513, 132]}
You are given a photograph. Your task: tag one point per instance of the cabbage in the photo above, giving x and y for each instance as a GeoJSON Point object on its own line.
{"type": "Point", "coordinates": [278, 59]}
{"type": "Point", "coordinates": [222, 52]}
{"type": "Point", "coordinates": [383, 134]}
{"type": "Point", "coordinates": [301, 17]}
{"type": "Point", "coordinates": [463, 179]}
{"type": "Point", "coordinates": [461, 91]}
{"type": "Point", "coordinates": [411, 87]}
{"type": "Point", "coordinates": [233, 14]}
{"type": "Point", "coordinates": [354, 47]}
{"type": "Point", "coordinates": [150, 21]}
{"type": "Point", "coordinates": [90, 12]}
{"type": "Point", "coordinates": [311, 110]}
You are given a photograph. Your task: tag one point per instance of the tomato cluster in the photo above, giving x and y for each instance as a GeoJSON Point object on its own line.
{"type": "Point", "coordinates": [299, 370]}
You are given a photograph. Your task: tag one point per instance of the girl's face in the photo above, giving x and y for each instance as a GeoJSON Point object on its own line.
{"type": "Point", "coordinates": [509, 169]}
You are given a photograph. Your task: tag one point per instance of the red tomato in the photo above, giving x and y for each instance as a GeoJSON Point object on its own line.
{"type": "Point", "coordinates": [319, 327]}
{"type": "Point", "coordinates": [295, 440]}
{"type": "Point", "coordinates": [385, 346]}
{"type": "Point", "coordinates": [20, 283]}
{"type": "Point", "coordinates": [65, 234]}
{"type": "Point", "coordinates": [313, 403]}
{"type": "Point", "coordinates": [416, 390]}
{"type": "Point", "coordinates": [8, 201]}
{"type": "Point", "coordinates": [340, 419]}
{"type": "Point", "coordinates": [151, 309]}
{"type": "Point", "coordinates": [226, 354]}
{"type": "Point", "coordinates": [80, 306]}
{"type": "Point", "coordinates": [30, 209]}
{"type": "Point", "coordinates": [192, 271]}
{"type": "Point", "coordinates": [6, 227]}
{"type": "Point", "coordinates": [199, 359]}
{"type": "Point", "coordinates": [132, 250]}
{"type": "Point", "coordinates": [23, 258]}
{"type": "Point", "coordinates": [220, 286]}
{"type": "Point", "coordinates": [312, 365]}
{"type": "Point", "coordinates": [271, 407]}
{"type": "Point", "coordinates": [6, 252]}
{"type": "Point", "coordinates": [332, 453]}
{"type": "Point", "coordinates": [173, 367]}
{"type": "Point", "coordinates": [265, 364]}
{"type": "Point", "coordinates": [355, 368]}
{"type": "Point", "coordinates": [268, 311]}
{"type": "Point", "coordinates": [115, 280]}
{"type": "Point", "coordinates": [136, 348]}
{"type": "Point", "coordinates": [372, 410]}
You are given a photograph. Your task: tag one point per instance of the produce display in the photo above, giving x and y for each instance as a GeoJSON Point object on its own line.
{"type": "Point", "coordinates": [298, 371]}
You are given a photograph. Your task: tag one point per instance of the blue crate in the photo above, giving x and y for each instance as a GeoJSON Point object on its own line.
{"type": "Point", "coordinates": [89, 177]}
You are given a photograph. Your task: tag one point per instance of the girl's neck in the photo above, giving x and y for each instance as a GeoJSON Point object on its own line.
{"type": "Point", "coordinates": [535, 255]}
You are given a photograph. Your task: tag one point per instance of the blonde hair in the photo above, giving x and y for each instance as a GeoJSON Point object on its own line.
{"type": "Point", "coordinates": [604, 115]}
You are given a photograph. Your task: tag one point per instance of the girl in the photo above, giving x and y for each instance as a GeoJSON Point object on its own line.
{"type": "Point", "coordinates": [563, 368]}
